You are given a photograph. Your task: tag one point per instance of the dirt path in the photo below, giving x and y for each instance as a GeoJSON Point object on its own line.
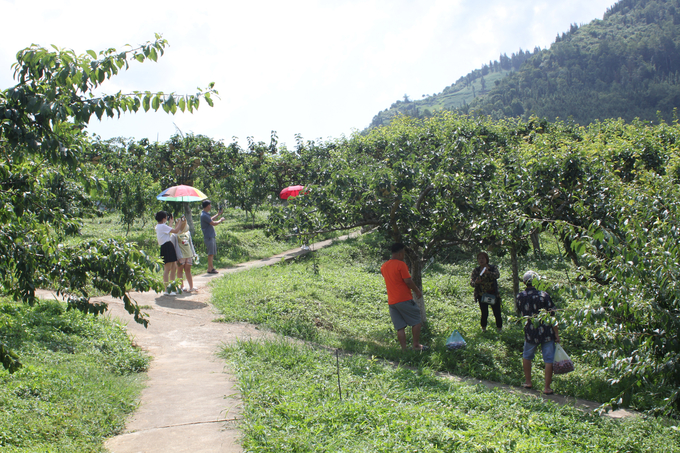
{"type": "Point", "coordinates": [191, 403]}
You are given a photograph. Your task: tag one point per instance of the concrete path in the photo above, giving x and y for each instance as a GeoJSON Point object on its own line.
{"type": "Point", "coordinates": [190, 403]}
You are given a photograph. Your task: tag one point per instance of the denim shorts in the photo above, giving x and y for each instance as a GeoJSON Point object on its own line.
{"type": "Point", "coordinates": [405, 314]}
{"type": "Point", "coordinates": [547, 349]}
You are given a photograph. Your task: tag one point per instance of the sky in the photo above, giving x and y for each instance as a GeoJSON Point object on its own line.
{"type": "Point", "coordinates": [318, 68]}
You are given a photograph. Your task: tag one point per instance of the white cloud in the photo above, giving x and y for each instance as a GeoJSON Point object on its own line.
{"type": "Point", "coordinates": [315, 67]}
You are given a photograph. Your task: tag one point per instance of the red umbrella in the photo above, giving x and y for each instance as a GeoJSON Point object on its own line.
{"type": "Point", "coordinates": [291, 191]}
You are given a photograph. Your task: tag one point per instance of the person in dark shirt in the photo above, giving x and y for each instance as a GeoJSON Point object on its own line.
{"type": "Point", "coordinates": [484, 280]}
{"type": "Point", "coordinates": [529, 303]}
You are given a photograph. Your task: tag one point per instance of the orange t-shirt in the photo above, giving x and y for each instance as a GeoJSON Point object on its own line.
{"type": "Point", "coordinates": [394, 272]}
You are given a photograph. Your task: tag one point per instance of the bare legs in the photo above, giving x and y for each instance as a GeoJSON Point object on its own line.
{"type": "Point", "coordinates": [548, 377]}
{"type": "Point", "coordinates": [401, 336]}
{"type": "Point", "coordinates": [180, 268]}
{"type": "Point", "coordinates": [210, 262]}
{"type": "Point", "coordinates": [526, 364]}
{"type": "Point", "coordinates": [169, 272]}
{"type": "Point", "coordinates": [190, 278]}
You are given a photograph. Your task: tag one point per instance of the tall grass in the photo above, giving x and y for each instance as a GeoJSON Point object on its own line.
{"type": "Point", "coordinates": [80, 379]}
{"type": "Point", "coordinates": [293, 403]}
{"type": "Point", "coordinates": [237, 240]}
{"type": "Point", "coordinates": [341, 303]}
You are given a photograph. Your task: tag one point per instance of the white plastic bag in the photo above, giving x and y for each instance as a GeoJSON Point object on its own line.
{"type": "Point", "coordinates": [562, 363]}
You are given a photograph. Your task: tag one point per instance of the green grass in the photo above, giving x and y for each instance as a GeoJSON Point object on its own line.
{"type": "Point", "coordinates": [292, 404]}
{"type": "Point", "coordinates": [343, 305]}
{"type": "Point", "coordinates": [80, 379]}
{"type": "Point", "coordinates": [237, 240]}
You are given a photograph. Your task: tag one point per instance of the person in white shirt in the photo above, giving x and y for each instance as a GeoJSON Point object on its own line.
{"type": "Point", "coordinates": [164, 234]}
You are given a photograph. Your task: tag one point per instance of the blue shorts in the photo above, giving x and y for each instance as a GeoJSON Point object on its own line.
{"type": "Point", "coordinates": [547, 349]}
{"type": "Point", "coordinates": [405, 314]}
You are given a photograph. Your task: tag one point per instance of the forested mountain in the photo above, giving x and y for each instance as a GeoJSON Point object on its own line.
{"type": "Point", "coordinates": [626, 65]}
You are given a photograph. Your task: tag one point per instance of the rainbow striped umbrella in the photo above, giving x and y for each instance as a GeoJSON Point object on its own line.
{"type": "Point", "coordinates": [181, 193]}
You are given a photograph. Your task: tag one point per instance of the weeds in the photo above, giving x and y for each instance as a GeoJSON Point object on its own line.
{"type": "Point", "coordinates": [343, 305]}
{"type": "Point", "coordinates": [292, 404]}
{"type": "Point", "coordinates": [79, 380]}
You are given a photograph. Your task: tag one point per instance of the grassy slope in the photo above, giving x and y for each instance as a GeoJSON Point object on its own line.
{"type": "Point", "coordinates": [459, 95]}
{"type": "Point", "coordinates": [292, 403]}
{"type": "Point", "coordinates": [79, 381]}
{"type": "Point", "coordinates": [454, 97]}
{"type": "Point", "coordinates": [343, 305]}
{"type": "Point", "coordinates": [237, 241]}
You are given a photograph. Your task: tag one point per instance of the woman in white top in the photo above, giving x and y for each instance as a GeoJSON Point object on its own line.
{"type": "Point", "coordinates": [164, 235]}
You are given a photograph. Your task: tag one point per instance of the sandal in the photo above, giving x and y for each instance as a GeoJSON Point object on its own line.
{"type": "Point", "coordinates": [422, 348]}
{"type": "Point", "coordinates": [528, 387]}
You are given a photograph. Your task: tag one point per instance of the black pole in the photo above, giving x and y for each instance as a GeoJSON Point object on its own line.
{"type": "Point", "coordinates": [337, 358]}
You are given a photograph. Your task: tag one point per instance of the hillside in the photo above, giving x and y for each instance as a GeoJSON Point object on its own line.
{"type": "Point", "coordinates": [626, 65]}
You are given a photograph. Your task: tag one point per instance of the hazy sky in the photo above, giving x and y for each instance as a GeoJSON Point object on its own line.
{"type": "Point", "coordinates": [316, 68]}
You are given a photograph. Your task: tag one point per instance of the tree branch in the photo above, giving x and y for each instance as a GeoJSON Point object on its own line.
{"type": "Point", "coordinates": [423, 194]}
{"type": "Point", "coordinates": [374, 222]}
{"type": "Point", "coordinates": [393, 213]}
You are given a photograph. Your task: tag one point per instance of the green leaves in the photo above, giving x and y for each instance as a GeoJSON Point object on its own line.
{"type": "Point", "coordinates": [56, 87]}
{"type": "Point", "coordinates": [609, 193]}
{"type": "Point", "coordinates": [44, 188]}
{"type": "Point", "coordinates": [10, 360]}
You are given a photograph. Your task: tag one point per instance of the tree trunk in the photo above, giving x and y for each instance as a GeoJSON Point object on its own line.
{"type": "Point", "coordinates": [187, 214]}
{"type": "Point", "coordinates": [515, 269]}
{"type": "Point", "coordinates": [566, 242]}
{"type": "Point", "coordinates": [536, 241]}
{"type": "Point", "coordinates": [416, 265]}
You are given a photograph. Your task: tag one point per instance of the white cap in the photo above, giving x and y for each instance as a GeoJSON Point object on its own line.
{"type": "Point", "coordinates": [529, 276]}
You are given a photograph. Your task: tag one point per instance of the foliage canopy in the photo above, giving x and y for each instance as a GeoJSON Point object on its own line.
{"type": "Point", "coordinates": [43, 188]}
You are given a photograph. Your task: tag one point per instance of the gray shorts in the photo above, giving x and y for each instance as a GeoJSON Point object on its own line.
{"type": "Point", "coordinates": [405, 314]}
{"type": "Point", "coordinates": [210, 245]}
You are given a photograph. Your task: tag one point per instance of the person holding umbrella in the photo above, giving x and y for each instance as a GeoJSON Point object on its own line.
{"type": "Point", "coordinates": [164, 234]}
{"type": "Point", "coordinates": [208, 223]}
{"type": "Point", "coordinates": [184, 249]}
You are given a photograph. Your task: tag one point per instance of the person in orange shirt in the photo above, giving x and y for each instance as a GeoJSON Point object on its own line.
{"type": "Point", "coordinates": [403, 309]}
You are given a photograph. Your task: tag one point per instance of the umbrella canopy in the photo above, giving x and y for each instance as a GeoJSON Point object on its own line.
{"type": "Point", "coordinates": [291, 191]}
{"type": "Point", "coordinates": [181, 193]}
